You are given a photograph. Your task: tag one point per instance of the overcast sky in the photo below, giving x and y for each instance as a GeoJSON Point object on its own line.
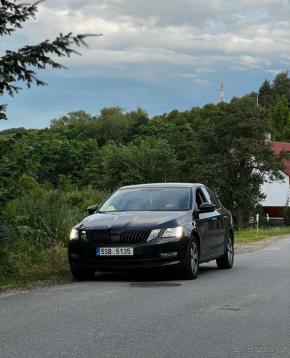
{"type": "Point", "coordinates": [159, 55]}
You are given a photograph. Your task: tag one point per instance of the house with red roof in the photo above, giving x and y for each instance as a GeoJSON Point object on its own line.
{"type": "Point", "coordinates": [277, 193]}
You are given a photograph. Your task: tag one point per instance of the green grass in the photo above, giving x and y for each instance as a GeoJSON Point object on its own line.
{"type": "Point", "coordinates": [34, 279]}
{"type": "Point", "coordinates": [251, 235]}
{"type": "Point", "coordinates": [37, 225]}
{"type": "Point", "coordinates": [35, 266]}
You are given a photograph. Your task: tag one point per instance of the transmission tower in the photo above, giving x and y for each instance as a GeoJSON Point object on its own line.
{"type": "Point", "coordinates": [222, 93]}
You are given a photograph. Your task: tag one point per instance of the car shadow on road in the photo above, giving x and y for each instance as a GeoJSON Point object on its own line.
{"type": "Point", "coordinates": [147, 276]}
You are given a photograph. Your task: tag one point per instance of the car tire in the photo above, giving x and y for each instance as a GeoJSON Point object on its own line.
{"type": "Point", "coordinates": [227, 260]}
{"type": "Point", "coordinates": [191, 269]}
{"type": "Point", "coordinates": [82, 274]}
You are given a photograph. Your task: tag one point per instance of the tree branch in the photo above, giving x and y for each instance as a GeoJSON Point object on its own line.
{"type": "Point", "coordinates": [12, 15]}
{"type": "Point", "coordinates": [16, 65]}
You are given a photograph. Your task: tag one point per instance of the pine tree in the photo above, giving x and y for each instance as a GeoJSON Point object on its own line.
{"type": "Point", "coordinates": [266, 95]}
{"type": "Point", "coordinates": [19, 66]}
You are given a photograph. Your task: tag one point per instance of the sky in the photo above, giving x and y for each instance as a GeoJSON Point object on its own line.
{"type": "Point", "coordinates": [158, 55]}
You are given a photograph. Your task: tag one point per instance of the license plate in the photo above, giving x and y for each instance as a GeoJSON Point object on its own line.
{"type": "Point", "coordinates": [114, 251]}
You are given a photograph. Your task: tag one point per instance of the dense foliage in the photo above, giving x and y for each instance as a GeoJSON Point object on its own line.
{"type": "Point", "coordinates": [220, 145]}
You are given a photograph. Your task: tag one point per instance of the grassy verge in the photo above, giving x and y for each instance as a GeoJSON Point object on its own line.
{"type": "Point", "coordinates": [252, 236]}
{"type": "Point", "coordinates": [35, 265]}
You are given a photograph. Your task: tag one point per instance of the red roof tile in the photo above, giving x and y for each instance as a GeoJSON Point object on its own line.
{"type": "Point", "coordinates": [279, 147]}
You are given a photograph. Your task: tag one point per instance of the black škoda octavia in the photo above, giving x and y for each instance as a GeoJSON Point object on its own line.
{"type": "Point", "coordinates": [153, 226]}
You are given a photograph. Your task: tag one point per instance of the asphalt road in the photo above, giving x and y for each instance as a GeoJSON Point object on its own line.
{"type": "Point", "coordinates": [243, 312]}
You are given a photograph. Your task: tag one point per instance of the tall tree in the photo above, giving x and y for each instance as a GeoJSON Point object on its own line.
{"type": "Point", "coordinates": [266, 94]}
{"type": "Point", "coordinates": [280, 117]}
{"type": "Point", "coordinates": [233, 157]}
{"type": "Point", "coordinates": [75, 125]}
{"type": "Point", "coordinates": [144, 161]}
{"type": "Point", "coordinates": [112, 124]}
{"type": "Point", "coordinates": [281, 85]}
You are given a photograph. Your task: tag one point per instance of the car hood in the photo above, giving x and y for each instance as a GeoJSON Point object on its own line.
{"type": "Point", "coordinates": [134, 220]}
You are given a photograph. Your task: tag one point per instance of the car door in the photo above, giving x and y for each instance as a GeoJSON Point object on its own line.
{"type": "Point", "coordinates": [216, 225]}
{"type": "Point", "coordinates": [202, 223]}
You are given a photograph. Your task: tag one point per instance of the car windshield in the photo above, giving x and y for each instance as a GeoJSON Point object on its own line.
{"type": "Point", "coordinates": [149, 199]}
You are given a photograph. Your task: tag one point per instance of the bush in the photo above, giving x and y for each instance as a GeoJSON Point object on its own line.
{"type": "Point", "coordinates": [47, 215]}
{"type": "Point", "coordinates": [35, 229]}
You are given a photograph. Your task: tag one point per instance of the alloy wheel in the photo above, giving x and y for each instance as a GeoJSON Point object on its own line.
{"type": "Point", "coordinates": [230, 250]}
{"type": "Point", "coordinates": [194, 257]}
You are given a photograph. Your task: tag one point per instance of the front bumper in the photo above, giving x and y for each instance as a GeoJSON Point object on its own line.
{"type": "Point", "coordinates": [82, 255]}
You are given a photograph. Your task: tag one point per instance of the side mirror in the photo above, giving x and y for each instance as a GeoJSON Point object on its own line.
{"type": "Point", "coordinates": [92, 209]}
{"type": "Point", "coordinates": [206, 208]}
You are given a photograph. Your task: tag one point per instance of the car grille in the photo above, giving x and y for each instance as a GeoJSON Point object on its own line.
{"type": "Point", "coordinates": [110, 237]}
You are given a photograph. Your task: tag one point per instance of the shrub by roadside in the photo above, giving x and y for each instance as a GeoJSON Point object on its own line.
{"type": "Point", "coordinates": [35, 230]}
{"type": "Point", "coordinates": [47, 214]}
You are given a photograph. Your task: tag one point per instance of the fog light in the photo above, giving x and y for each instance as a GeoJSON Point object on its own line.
{"type": "Point", "coordinates": [168, 254]}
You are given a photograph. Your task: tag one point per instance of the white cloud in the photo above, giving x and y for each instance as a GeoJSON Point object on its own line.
{"type": "Point", "coordinates": [182, 36]}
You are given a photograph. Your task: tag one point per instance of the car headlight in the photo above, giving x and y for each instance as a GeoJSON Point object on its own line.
{"type": "Point", "coordinates": [174, 232]}
{"type": "Point", "coordinates": [74, 234]}
{"type": "Point", "coordinates": [166, 235]}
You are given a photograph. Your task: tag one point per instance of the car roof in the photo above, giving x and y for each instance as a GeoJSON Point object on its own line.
{"type": "Point", "coordinates": [162, 185]}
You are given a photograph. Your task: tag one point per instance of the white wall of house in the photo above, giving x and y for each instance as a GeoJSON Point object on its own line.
{"type": "Point", "coordinates": [277, 192]}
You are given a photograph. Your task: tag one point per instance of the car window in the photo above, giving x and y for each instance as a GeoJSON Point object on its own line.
{"type": "Point", "coordinates": [211, 197]}
{"type": "Point", "coordinates": [200, 197]}
{"type": "Point", "coordinates": [214, 198]}
{"type": "Point", "coordinates": [149, 199]}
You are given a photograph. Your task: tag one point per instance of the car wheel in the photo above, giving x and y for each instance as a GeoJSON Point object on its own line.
{"type": "Point", "coordinates": [82, 274]}
{"type": "Point", "coordinates": [227, 260]}
{"type": "Point", "coordinates": [191, 268]}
